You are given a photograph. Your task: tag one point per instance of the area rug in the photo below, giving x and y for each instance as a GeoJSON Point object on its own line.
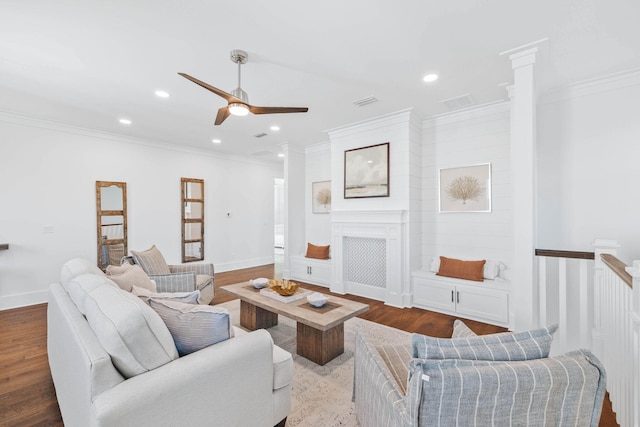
{"type": "Point", "coordinates": [321, 395]}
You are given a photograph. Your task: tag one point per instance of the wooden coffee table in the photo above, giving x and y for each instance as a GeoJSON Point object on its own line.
{"type": "Point", "coordinates": [320, 331]}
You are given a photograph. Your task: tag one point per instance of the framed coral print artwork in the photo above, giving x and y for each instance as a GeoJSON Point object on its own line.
{"type": "Point", "coordinates": [321, 196]}
{"type": "Point", "coordinates": [366, 172]}
{"type": "Point", "coordinates": [466, 189]}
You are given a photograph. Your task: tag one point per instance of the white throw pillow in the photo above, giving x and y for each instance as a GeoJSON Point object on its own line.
{"type": "Point", "coordinates": [127, 276]}
{"type": "Point", "coordinates": [193, 327]}
{"type": "Point", "coordinates": [185, 297]}
{"type": "Point", "coordinates": [132, 333]}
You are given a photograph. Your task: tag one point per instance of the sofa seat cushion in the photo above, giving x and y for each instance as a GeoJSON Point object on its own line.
{"type": "Point", "coordinates": [133, 334]}
{"type": "Point", "coordinates": [527, 345]}
{"type": "Point", "coordinates": [282, 364]}
{"type": "Point", "coordinates": [282, 368]}
{"type": "Point", "coordinates": [194, 327]}
{"type": "Point", "coordinates": [77, 267]}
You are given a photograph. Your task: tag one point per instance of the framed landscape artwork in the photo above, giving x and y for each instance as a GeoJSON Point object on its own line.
{"type": "Point", "coordinates": [321, 196]}
{"type": "Point", "coordinates": [466, 189]}
{"type": "Point", "coordinates": [366, 172]}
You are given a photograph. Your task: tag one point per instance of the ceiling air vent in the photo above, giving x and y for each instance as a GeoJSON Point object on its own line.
{"type": "Point", "coordinates": [260, 135]}
{"type": "Point", "coordinates": [365, 101]}
{"type": "Point", "coordinates": [458, 102]}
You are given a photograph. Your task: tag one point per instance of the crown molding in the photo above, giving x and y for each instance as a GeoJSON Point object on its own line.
{"type": "Point", "coordinates": [398, 118]}
{"type": "Point", "coordinates": [318, 148]}
{"type": "Point", "coordinates": [480, 111]}
{"type": "Point", "coordinates": [31, 121]}
{"type": "Point", "coordinates": [592, 86]}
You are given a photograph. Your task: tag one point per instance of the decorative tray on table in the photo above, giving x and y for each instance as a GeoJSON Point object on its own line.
{"type": "Point", "coordinates": [284, 291]}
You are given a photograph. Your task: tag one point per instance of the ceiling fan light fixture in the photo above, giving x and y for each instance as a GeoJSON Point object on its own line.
{"type": "Point", "coordinates": [237, 109]}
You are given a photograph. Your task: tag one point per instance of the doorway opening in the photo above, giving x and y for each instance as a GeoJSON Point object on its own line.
{"type": "Point", "coordinates": [278, 227]}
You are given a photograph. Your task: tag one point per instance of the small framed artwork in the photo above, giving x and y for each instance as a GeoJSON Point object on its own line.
{"type": "Point", "coordinates": [321, 196]}
{"type": "Point", "coordinates": [366, 172]}
{"type": "Point", "coordinates": [466, 189]}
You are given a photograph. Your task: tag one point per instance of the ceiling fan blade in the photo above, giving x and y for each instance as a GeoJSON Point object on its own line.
{"type": "Point", "coordinates": [219, 92]}
{"type": "Point", "coordinates": [277, 110]}
{"type": "Point", "coordinates": [223, 113]}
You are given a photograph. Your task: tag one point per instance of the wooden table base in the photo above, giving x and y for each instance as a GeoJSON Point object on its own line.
{"type": "Point", "coordinates": [252, 317]}
{"type": "Point", "coordinates": [320, 346]}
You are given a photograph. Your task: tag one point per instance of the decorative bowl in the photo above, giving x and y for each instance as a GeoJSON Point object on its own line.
{"type": "Point", "coordinates": [259, 283]}
{"type": "Point", "coordinates": [316, 299]}
{"type": "Point", "coordinates": [283, 287]}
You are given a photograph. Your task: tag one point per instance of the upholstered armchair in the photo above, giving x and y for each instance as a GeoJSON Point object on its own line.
{"type": "Point", "coordinates": [175, 278]}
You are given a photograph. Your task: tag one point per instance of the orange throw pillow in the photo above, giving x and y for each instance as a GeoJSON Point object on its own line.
{"type": "Point", "coordinates": [319, 252]}
{"type": "Point", "coordinates": [469, 270]}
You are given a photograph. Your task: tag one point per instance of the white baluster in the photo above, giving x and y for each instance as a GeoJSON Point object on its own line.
{"type": "Point", "coordinates": [563, 308]}
{"type": "Point", "coordinates": [585, 328]}
{"type": "Point", "coordinates": [542, 281]}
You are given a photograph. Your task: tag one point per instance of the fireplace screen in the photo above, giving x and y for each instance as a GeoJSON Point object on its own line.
{"type": "Point", "coordinates": [365, 261]}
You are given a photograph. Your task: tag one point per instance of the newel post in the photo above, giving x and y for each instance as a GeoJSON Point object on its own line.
{"type": "Point", "coordinates": [600, 246]}
{"type": "Point", "coordinates": [634, 271]}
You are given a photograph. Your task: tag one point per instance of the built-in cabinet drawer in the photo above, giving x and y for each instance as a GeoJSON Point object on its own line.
{"type": "Point", "coordinates": [482, 301]}
{"type": "Point", "coordinates": [315, 271]}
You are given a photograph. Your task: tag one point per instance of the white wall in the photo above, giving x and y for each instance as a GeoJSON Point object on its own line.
{"type": "Point", "coordinates": [48, 173]}
{"type": "Point", "coordinates": [481, 135]}
{"type": "Point", "coordinates": [588, 165]}
{"type": "Point", "coordinates": [317, 168]}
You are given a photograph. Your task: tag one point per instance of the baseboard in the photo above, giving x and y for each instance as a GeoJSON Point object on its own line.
{"type": "Point", "coordinates": [22, 300]}
{"type": "Point", "coordinates": [247, 263]}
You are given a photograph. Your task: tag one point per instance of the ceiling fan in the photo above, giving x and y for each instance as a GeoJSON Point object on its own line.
{"type": "Point", "coordinates": [237, 100]}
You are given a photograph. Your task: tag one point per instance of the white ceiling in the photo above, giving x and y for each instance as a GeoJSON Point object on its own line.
{"type": "Point", "coordinates": [90, 62]}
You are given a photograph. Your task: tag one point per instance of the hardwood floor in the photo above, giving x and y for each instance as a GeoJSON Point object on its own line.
{"type": "Point", "coordinates": [27, 395]}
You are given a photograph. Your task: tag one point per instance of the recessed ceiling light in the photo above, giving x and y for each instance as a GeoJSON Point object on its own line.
{"type": "Point", "coordinates": [125, 121]}
{"type": "Point", "coordinates": [280, 154]}
{"type": "Point", "coordinates": [430, 78]}
{"type": "Point", "coordinates": [162, 94]}
{"type": "Point", "coordinates": [216, 141]}
{"type": "Point", "coordinates": [275, 128]}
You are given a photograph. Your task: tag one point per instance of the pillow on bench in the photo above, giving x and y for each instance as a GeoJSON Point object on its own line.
{"type": "Point", "coordinates": [318, 252]}
{"type": "Point", "coordinates": [459, 269]}
{"type": "Point", "coordinates": [491, 271]}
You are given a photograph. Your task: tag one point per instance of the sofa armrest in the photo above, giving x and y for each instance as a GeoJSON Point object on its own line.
{"type": "Point", "coordinates": [175, 282]}
{"type": "Point", "coordinates": [377, 398]}
{"type": "Point", "coordinates": [229, 383]}
{"type": "Point", "coordinates": [197, 268]}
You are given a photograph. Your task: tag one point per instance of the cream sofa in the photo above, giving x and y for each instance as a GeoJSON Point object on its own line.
{"type": "Point", "coordinates": [242, 381]}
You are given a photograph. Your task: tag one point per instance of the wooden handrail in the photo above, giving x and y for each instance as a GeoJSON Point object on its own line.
{"type": "Point", "coordinates": [565, 254]}
{"type": "Point", "coordinates": [618, 267]}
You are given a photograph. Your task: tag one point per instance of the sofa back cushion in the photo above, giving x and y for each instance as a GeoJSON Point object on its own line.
{"type": "Point", "coordinates": [193, 327]}
{"type": "Point", "coordinates": [133, 334]}
{"type": "Point", "coordinates": [77, 267]}
{"type": "Point", "coordinates": [566, 390]}
{"type": "Point", "coordinates": [533, 344]}
{"type": "Point", "coordinates": [151, 261]}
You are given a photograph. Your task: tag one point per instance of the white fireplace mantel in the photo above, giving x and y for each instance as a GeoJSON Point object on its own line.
{"type": "Point", "coordinates": [373, 228]}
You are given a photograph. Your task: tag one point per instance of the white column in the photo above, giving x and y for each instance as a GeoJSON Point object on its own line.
{"type": "Point", "coordinates": [523, 178]}
{"type": "Point", "coordinates": [294, 222]}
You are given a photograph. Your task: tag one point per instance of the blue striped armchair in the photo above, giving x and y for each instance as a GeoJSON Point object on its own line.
{"type": "Point", "coordinates": [175, 278]}
{"type": "Point", "coordinates": [393, 389]}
